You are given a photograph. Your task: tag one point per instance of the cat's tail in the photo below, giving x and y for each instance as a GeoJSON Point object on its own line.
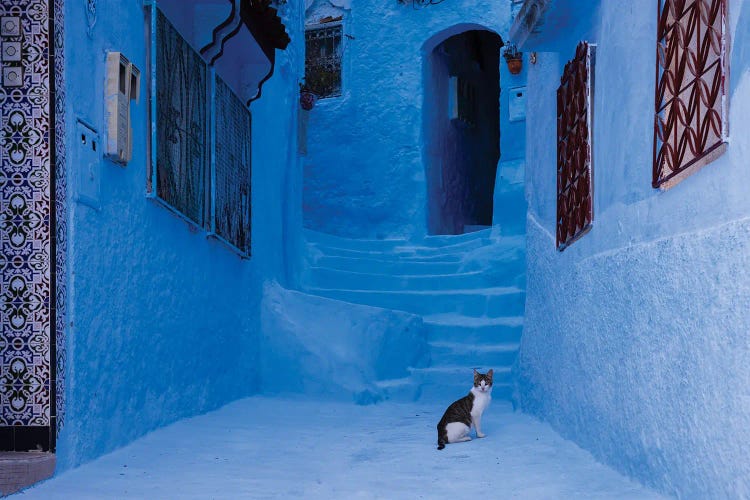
{"type": "Point", "coordinates": [442, 437]}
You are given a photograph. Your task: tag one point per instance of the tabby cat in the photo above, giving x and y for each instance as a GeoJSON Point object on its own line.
{"type": "Point", "coordinates": [457, 420]}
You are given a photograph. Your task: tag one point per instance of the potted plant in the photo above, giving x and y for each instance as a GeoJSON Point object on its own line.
{"type": "Point", "coordinates": [514, 58]}
{"type": "Point", "coordinates": [307, 97]}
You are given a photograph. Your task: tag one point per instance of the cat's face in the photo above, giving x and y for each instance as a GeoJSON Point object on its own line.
{"type": "Point", "coordinates": [483, 381]}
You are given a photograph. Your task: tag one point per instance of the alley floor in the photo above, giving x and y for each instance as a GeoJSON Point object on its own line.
{"type": "Point", "coordinates": [265, 447]}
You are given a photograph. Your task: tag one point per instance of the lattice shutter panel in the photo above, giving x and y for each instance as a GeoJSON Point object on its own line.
{"type": "Point", "coordinates": [574, 206]}
{"type": "Point", "coordinates": [690, 122]}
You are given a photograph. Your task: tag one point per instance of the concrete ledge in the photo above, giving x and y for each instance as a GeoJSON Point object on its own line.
{"type": "Point", "coordinates": [19, 470]}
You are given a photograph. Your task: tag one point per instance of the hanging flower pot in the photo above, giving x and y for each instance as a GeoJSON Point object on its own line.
{"type": "Point", "coordinates": [514, 65]}
{"type": "Point", "coordinates": [307, 99]}
{"type": "Point", "coordinates": [514, 58]}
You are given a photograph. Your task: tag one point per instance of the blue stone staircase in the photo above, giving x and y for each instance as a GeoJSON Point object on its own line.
{"type": "Point", "coordinates": [469, 290]}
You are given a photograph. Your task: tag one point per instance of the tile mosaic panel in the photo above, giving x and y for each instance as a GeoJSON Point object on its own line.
{"type": "Point", "coordinates": [60, 226]}
{"type": "Point", "coordinates": [25, 217]}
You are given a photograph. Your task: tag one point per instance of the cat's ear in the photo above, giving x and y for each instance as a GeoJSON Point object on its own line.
{"type": "Point", "coordinates": [489, 373]}
{"type": "Point", "coordinates": [475, 372]}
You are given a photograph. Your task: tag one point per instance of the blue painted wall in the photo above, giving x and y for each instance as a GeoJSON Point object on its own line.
{"type": "Point", "coordinates": [364, 173]}
{"type": "Point", "coordinates": [635, 342]}
{"type": "Point", "coordinates": [164, 323]}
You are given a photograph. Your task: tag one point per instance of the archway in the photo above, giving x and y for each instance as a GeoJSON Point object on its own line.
{"type": "Point", "coordinates": [461, 127]}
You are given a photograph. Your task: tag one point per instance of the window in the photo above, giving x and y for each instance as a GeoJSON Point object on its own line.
{"type": "Point", "coordinates": [574, 114]}
{"type": "Point", "coordinates": [232, 169]}
{"type": "Point", "coordinates": [201, 141]}
{"type": "Point", "coordinates": [181, 123]}
{"type": "Point", "coordinates": [690, 126]}
{"type": "Point", "coordinates": [323, 60]}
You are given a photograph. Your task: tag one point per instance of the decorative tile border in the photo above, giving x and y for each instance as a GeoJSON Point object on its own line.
{"type": "Point", "coordinates": [30, 134]}
{"type": "Point", "coordinates": [61, 218]}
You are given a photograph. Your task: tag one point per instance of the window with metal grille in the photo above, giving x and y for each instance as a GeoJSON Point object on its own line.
{"type": "Point", "coordinates": [690, 126]}
{"type": "Point", "coordinates": [232, 168]}
{"type": "Point", "coordinates": [574, 165]}
{"type": "Point", "coordinates": [201, 140]}
{"type": "Point", "coordinates": [323, 49]}
{"type": "Point", "coordinates": [182, 145]}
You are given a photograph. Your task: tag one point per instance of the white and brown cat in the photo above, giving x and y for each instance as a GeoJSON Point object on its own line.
{"type": "Point", "coordinates": [466, 413]}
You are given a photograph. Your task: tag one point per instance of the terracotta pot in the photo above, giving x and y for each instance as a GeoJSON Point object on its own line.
{"type": "Point", "coordinates": [514, 66]}
{"type": "Point", "coordinates": [307, 100]}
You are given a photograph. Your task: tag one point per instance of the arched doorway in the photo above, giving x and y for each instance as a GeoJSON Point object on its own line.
{"type": "Point", "coordinates": [461, 128]}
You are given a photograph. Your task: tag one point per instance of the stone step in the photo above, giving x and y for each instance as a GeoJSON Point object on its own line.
{"type": "Point", "coordinates": [458, 328]}
{"type": "Point", "coordinates": [444, 395]}
{"type": "Point", "coordinates": [362, 244]}
{"type": "Point", "coordinates": [324, 277]}
{"type": "Point", "coordinates": [380, 266]}
{"type": "Point", "coordinates": [317, 252]}
{"type": "Point", "coordinates": [498, 301]}
{"type": "Point", "coordinates": [493, 355]}
{"type": "Point", "coordinates": [450, 382]}
{"type": "Point", "coordinates": [404, 251]}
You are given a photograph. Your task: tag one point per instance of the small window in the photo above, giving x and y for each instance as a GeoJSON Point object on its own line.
{"type": "Point", "coordinates": [690, 127]}
{"type": "Point", "coordinates": [182, 145]}
{"type": "Point", "coordinates": [323, 50]}
{"type": "Point", "coordinates": [231, 208]}
{"type": "Point", "coordinates": [201, 162]}
{"type": "Point", "coordinates": [574, 113]}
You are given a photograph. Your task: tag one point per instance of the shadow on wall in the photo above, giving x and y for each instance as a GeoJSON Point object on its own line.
{"type": "Point", "coordinates": [461, 127]}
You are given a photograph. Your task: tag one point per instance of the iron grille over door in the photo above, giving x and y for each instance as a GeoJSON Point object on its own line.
{"type": "Point", "coordinates": [181, 115]}
{"type": "Point", "coordinates": [690, 122]}
{"type": "Point", "coordinates": [574, 205]}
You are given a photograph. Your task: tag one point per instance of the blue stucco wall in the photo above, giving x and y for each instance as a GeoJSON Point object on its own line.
{"type": "Point", "coordinates": [364, 173]}
{"type": "Point", "coordinates": [163, 322]}
{"type": "Point", "coordinates": [635, 341]}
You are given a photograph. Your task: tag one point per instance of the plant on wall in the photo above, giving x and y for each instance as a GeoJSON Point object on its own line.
{"type": "Point", "coordinates": [513, 57]}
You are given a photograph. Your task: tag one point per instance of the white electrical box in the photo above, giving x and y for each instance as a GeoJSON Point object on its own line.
{"type": "Point", "coordinates": [122, 86]}
{"type": "Point", "coordinates": [517, 104]}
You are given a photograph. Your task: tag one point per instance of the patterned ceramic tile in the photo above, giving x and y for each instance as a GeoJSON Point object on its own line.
{"type": "Point", "coordinates": [60, 212]}
{"type": "Point", "coordinates": [25, 218]}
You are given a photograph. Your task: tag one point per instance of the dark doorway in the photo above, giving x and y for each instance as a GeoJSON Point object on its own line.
{"type": "Point", "coordinates": [462, 130]}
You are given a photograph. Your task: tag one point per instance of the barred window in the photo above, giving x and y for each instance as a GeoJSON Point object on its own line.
{"type": "Point", "coordinates": [323, 49]}
{"type": "Point", "coordinates": [690, 126]}
{"type": "Point", "coordinates": [231, 212]}
{"type": "Point", "coordinates": [574, 113]}
{"type": "Point", "coordinates": [201, 141]}
{"type": "Point", "coordinates": [181, 123]}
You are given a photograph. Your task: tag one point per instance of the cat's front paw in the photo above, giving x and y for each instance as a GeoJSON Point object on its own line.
{"type": "Point", "coordinates": [481, 435]}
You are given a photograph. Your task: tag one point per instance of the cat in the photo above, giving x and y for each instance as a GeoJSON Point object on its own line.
{"type": "Point", "coordinates": [457, 420]}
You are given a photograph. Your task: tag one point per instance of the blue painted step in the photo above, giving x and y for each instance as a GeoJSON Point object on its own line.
{"type": "Point", "coordinates": [491, 355]}
{"type": "Point", "coordinates": [499, 300]}
{"type": "Point", "coordinates": [457, 328]}
{"type": "Point", "coordinates": [324, 277]}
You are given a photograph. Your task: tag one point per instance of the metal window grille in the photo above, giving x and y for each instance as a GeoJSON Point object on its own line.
{"type": "Point", "coordinates": [232, 169]}
{"type": "Point", "coordinates": [690, 121]}
{"type": "Point", "coordinates": [574, 187]}
{"type": "Point", "coordinates": [323, 50]}
{"type": "Point", "coordinates": [182, 144]}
